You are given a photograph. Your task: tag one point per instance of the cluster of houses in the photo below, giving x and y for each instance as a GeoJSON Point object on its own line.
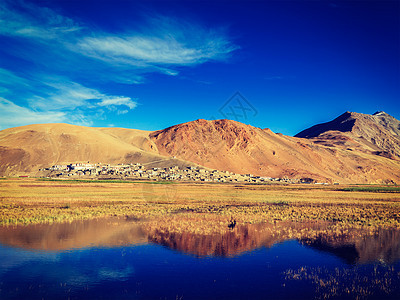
{"type": "Point", "coordinates": [139, 171]}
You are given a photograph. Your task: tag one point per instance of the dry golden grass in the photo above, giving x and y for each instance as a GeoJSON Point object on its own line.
{"type": "Point", "coordinates": [25, 201]}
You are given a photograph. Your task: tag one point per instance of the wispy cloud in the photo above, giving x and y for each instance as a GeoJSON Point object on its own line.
{"type": "Point", "coordinates": [112, 101]}
{"type": "Point", "coordinates": [159, 45]}
{"type": "Point", "coordinates": [13, 115]}
{"type": "Point", "coordinates": [59, 100]}
{"type": "Point", "coordinates": [68, 52]}
{"type": "Point", "coordinates": [62, 94]}
{"type": "Point", "coordinates": [24, 19]}
{"type": "Point", "coordinates": [159, 48]}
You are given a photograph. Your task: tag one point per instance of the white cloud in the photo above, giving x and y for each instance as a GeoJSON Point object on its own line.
{"type": "Point", "coordinates": [24, 19]}
{"type": "Point", "coordinates": [9, 79]}
{"type": "Point", "coordinates": [63, 95]}
{"type": "Point", "coordinates": [142, 51]}
{"type": "Point", "coordinates": [57, 99]}
{"type": "Point", "coordinates": [66, 95]}
{"type": "Point", "coordinates": [64, 50]}
{"type": "Point", "coordinates": [164, 42]}
{"type": "Point", "coordinates": [12, 115]}
{"type": "Point", "coordinates": [110, 101]}
{"type": "Point", "coordinates": [61, 44]}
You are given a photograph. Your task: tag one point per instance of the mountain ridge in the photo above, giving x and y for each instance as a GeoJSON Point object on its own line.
{"type": "Point", "coordinates": [364, 150]}
{"type": "Point", "coordinates": [379, 132]}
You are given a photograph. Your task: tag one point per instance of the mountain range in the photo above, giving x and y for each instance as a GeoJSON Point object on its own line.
{"type": "Point", "coordinates": [353, 148]}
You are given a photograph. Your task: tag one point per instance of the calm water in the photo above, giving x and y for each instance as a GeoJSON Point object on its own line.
{"type": "Point", "coordinates": [121, 259]}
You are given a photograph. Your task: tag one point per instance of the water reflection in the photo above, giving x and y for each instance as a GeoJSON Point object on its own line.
{"type": "Point", "coordinates": [211, 238]}
{"type": "Point", "coordinates": [109, 232]}
{"type": "Point", "coordinates": [223, 243]}
{"type": "Point", "coordinates": [353, 245]}
{"type": "Point", "coordinates": [121, 258]}
{"type": "Point", "coordinates": [383, 245]}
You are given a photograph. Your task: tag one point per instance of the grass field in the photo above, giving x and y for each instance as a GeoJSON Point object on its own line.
{"type": "Point", "coordinates": [29, 200]}
{"type": "Point", "coordinates": [373, 189]}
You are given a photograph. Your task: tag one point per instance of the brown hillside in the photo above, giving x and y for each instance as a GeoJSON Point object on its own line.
{"type": "Point", "coordinates": [365, 152]}
{"type": "Point", "coordinates": [236, 147]}
{"type": "Point", "coordinates": [26, 149]}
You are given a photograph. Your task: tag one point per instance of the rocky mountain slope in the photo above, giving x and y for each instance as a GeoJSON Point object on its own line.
{"type": "Point", "coordinates": [353, 148]}
{"type": "Point", "coordinates": [240, 148]}
{"type": "Point", "coordinates": [378, 133]}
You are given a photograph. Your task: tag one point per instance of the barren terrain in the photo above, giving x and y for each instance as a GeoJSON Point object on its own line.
{"type": "Point", "coordinates": [354, 148]}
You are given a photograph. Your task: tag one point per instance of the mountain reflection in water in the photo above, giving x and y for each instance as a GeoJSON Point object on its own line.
{"type": "Point", "coordinates": [108, 232]}
{"type": "Point", "coordinates": [383, 246]}
{"type": "Point", "coordinates": [210, 238]}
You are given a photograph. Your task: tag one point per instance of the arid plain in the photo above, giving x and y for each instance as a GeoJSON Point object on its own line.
{"type": "Point", "coordinates": [26, 200]}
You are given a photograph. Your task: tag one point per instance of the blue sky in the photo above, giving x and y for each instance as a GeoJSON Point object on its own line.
{"type": "Point", "coordinates": [152, 64]}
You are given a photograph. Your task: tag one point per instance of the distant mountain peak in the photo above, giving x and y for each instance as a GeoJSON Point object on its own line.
{"type": "Point", "coordinates": [352, 121]}
{"type": "Point", "coordinates": [379, 132]}
{"type": "Point", "coordinates": [343, 123]}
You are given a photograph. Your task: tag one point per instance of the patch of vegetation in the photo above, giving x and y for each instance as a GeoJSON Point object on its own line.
{"type": "Point", "coordinates": [281, 203]}
{"type": "Point", "coordinates": [373, 189]}
{"type": "Point", "coordinates": [351, 283]}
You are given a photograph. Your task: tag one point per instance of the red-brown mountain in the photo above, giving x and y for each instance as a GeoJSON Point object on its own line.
{"type": "Point", "coordinates": [240, 148]}
{"type": "Point", "coordinates": [354, 148]}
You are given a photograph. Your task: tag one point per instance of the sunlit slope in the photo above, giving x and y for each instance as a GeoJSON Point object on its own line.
{"type": "Point", "coordinates": [240, 148]}
{"type": "Point", "coordinates": [28, 148]}
{"type": "Point", "coordinates": [331, 156]}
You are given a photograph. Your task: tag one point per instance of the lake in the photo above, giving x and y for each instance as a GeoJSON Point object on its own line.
{"type": "Point", "coordinates": [123, 258]}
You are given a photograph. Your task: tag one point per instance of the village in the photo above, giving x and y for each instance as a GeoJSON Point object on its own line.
{"type": "Point", "coordinates": [140, 172]}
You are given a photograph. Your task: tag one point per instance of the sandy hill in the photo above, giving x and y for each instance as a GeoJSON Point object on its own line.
{"type": "Point", "coordinates": [26, 149]}
{"type": "Point", "coordinates": [353, 148]}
